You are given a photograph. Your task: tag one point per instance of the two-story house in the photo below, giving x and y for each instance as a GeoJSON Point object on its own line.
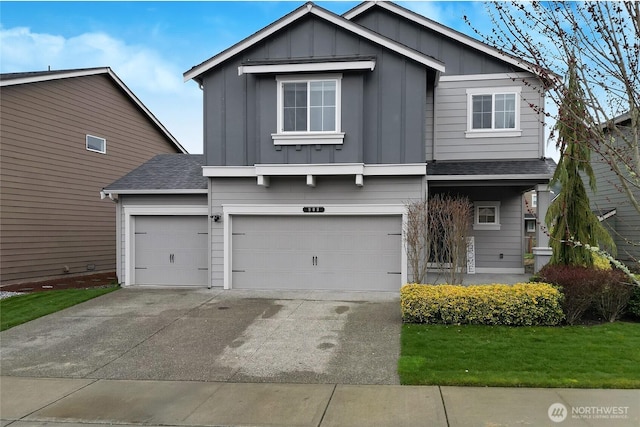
{"type": "Point", "coordinates": [65, 133]}
{"type": "Point", "coordinates": [318, 130]}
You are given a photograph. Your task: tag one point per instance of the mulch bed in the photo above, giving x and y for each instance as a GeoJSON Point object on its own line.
{"type": "Point", "coordinates": [66, 282]}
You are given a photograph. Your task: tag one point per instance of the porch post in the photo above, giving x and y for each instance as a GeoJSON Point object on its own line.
{"type": "Point", "coordinates": [542, 251]}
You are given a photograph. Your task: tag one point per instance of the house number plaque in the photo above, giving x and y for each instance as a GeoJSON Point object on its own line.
{"type": "Point", "coordinates": [313, 209]}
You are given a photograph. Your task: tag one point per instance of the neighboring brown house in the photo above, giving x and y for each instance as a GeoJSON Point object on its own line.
{"type": "Point", "coordinates": [63, 134]}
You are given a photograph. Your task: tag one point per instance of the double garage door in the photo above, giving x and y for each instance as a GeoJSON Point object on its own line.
{"type": "Point", "coordinates": [171, 250]}
{"type": "Point", "coordinates": [317, 252]}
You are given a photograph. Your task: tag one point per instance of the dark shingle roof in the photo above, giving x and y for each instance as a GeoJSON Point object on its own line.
{"type": "Point", "coordinates": [493, 168]}
{"type": "Point", "coordinates": [164, 172]}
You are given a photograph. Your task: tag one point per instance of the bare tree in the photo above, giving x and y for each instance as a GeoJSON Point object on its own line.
{"type": "Point", "coordinates": [603, 38]}
{"type": "Point", "coordinates": [436, 235]}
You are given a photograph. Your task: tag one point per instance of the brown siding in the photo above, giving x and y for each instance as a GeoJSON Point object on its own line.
{"type": "Point", "coordinates": [51, 215]}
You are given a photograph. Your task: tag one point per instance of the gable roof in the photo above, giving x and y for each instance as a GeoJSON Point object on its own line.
{"type": "Point", "coordinates": [312, 9]}
{"type": "Point", "coordinates": [163, 174]}
{"type": "Point", "coordinates": [14, 79]}
{"type": "Point", "coordinates": [444, 30]}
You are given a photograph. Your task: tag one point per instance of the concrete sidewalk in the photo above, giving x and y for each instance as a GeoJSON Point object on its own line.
{"type": "Point", "coordinates": [57, 402]}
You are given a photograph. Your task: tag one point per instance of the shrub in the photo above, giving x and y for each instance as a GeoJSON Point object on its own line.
{"type": "Point", "coordinates": [523, 304]}
{"type": "Point", "coordinates": [579, 286]}
{"type": "Point", "coordinates": [633, 308]}
{"type": "Point", "coordinates": [607, 291]}
{"type": "Point", "coordinates": [600, 262]}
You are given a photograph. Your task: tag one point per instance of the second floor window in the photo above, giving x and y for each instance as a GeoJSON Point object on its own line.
{"type": "Point", "coordinates": [497, 111]}
{"type": "Point", "coordinates": [493, 112]}
{"type": "Point", "coordinates": [309, 106]}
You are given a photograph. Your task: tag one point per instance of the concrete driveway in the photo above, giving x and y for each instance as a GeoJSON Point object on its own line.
{"type": "Point", "coordinates": [214, 335]}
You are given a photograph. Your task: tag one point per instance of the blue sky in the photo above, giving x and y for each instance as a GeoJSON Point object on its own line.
{"type": "Point", "coordinates": [151, 44]}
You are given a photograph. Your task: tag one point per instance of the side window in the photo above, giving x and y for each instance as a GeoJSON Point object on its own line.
{"type": "Point", "coordinates": [493, 112]}
{"type": "Point", "coordinates": [486, 216]}
{"type": "Point", "coordinates": [97, 144]}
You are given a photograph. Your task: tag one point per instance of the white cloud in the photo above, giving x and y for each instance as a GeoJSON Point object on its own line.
{"type": "Point", "coordinates": [156, 81]}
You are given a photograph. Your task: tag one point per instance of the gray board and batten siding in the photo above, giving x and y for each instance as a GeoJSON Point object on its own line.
{"type": "Point", "coordinates": [294, 192]}
{"type": "Point", "coordinates": [51, 213]}
{"type": "Point", "coordinates": [382, 110]}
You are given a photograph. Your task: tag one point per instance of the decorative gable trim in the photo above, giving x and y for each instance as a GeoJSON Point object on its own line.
{"type": "Point", "coordinates": [313, 67]}
{"type": "Point", "coordinates": [310, 8]}
{"type": "Point", "coordinates": [441, 29]}
{"type": "Point", "coordinates": [66, 74]}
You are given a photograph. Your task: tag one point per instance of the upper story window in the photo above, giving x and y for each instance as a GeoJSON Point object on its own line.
{"type": "Point", "coordinates": [534, 200]}
{"type": "Point", "coordinates": [493, 112]}
{"type": "Point", "coordinates": [97, 144]}
{"type": "Point", "coordinates": [308, 110]}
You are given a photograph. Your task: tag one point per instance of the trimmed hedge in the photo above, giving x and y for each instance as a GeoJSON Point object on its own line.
{"type": "Point", "coordinates": [523, 304]}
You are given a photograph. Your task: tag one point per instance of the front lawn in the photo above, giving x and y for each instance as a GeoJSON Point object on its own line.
{"type": "Point", "coordinates": [23, 308]}
{"type": "Point", "coordinates": [600, 356]}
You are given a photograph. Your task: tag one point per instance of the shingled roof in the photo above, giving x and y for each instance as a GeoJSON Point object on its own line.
{"type": "Point", "coordinates": [496, 169]}
{"type": "Point", "coordinates": [165, 173]}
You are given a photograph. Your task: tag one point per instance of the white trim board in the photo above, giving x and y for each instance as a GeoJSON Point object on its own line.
{"type": "Point", "coordinates": [315, 169]}
{"type": "Point", "coordinates": [307, 67]}
{"type": "Point", "coordinates": [229, 210]}
{"type": "Point", "coordinates": [146, 210]}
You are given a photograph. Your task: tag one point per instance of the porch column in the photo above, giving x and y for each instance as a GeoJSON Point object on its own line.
{"type": "Point", "coordinates": [542, 251]}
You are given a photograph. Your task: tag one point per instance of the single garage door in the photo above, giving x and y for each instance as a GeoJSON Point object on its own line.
{"type": "Point", "coordinates": [171, 250]}
{"type": "Point", "coordinates": [319, 252]}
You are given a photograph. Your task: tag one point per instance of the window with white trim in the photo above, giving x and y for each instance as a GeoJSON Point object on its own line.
{"type": "Point", "coordinates": [493, 112]}
{"type": "Point", "coordinates": [96, 144]}
{"type": "Point", "coordinates": [486, 216]}
{"type": "Point", "coordinates": [534, 200]}
{"type": "Point", "coordinates": [308, 110]}
{"type": "Point", "coordinates": [531, 226]}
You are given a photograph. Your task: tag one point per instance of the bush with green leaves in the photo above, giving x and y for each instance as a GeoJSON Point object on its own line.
{"type": "Point", "coordinates": [523, 304]}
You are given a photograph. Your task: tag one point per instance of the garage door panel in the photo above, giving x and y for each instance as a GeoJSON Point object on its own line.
{"type": "Point", "coordinates": [319, 252]}
{"type": "Point", "coordinates": [171, 250]}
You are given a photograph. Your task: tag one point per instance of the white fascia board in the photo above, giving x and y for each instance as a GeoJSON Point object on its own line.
{"type": "Point", "coordinates": [315, 169]}
{"type": "Point", "coordinates": [310, 169]}
{"type": "Point", "coordinates": [378, 39]}
{"type": "Point", "coordinates": [439, 28]}
{"type": "Point", "coordinates": [229, 171]}
{"type": "Point", "coordinates": [494, 76]}
{"type": "Point", "coordinates": [395, 169]}
{"type": "Point", "coordinates": [55, 76]}
{"type": "Point", "coordinates": [329, 209]}
{"type": "Point", "coordinates": [158, 191]}
{"type": "Point", "coordinates": [307, 67]}
{"type": "Point", "coordinates": [487, 177]}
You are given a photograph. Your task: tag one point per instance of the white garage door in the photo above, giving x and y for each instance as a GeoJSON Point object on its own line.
{"type": "Point", "coordinates": [320, 252]}
{"type": "Point", "coordinates": [171, 250]}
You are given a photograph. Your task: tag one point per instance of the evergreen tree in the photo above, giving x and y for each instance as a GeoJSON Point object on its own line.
{"type": "Point", "coordinates": [569, 217]}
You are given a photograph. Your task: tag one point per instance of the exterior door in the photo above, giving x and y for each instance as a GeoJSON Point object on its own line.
{"type": "Point", "coordinates": [317, 252]}
{"type": "Point", "coordinates": [171, 250]}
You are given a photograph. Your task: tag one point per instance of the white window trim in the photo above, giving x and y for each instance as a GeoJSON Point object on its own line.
{"type": "Point", "coordinates": [493, 133]}
{"type": "Point", "coordinates": [534, 200]}
{"type": "Point", "coordinates": [477, 225]}
{"type": "Point", "coordinates": [104, 142]}
{"type": "Point", "coordinates": [281, 137]}
{"type": "Point", "coordinates": [230, 210]}
{"type": "Point", "coordinates": [531, 226]}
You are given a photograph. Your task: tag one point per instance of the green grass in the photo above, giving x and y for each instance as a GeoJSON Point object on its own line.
{"type": "Point", "coordinates": [601, 356]}
{"type": "Point", "coordinates": [23, 308]}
